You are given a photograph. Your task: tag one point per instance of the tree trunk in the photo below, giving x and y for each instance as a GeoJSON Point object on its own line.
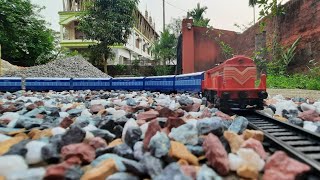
{"type": "Point", "coordinates": [105, 63]}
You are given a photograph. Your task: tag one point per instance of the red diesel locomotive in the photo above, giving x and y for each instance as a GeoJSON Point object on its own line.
{"type": "Point", "coordinates": [232, 85]}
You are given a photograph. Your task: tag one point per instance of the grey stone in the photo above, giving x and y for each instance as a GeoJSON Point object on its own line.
{"type": "Point", "coordinates": [134, 167]}
{"type": "Point", "coordinates": [73, 173]}
{"type": "Point", "coordinates": [18, 149]}
{"type": "Point", "coordinates": [210, 125]}
{"type": "Point", "coordinates": [116, 158]}
{"type": "Point", "coordinates": [74, 135]}
{"type": "Point", "coordinates": [159, 145]}
{"type": "Point", "coordinates": [50, 154]}
{"type": "Point", "coordinates": [186, 134]}
{"type": "Point", "coordinates": [34, 112]}
{"type": "Point", "coordinates": [196, 150]}
{"type": "Point", "coordinates": [123, 150]}
{"type": "Point", "coordinates": [172, 171]}
{"type": "Point", "coordinates": [104, 134]}
{"type": "Point", "coordinates": [184, 101]}
{"type": "Point", "coordinates": [296, 121]}
{"type": "Point", "coordinates": [74, 112]}
{"type": "Point", "coordinates": [132, 136]}
{"type": "Point", "coordinates": [239, 124]}
{"type": "Point", "coordinates": [28, 122]}
{"type": "Point", "coordinates": [153, 165]}
{"type": "Point", "coordinates": [131, 102]}
{"type": "Point", "coordinates": [122, 176]}
{"type": "Point", "coordinates": [206, 173]}
{"type": "Point", "coordinates": [138, 151]}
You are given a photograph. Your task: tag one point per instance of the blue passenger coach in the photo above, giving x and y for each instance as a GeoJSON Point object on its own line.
{"type": "Point", "coordinates": [189, 82]}
{"type": "Point", "coordinates": [160, 83]}
{"type": "Point", "coordinates": [10, 84]}
{"type": "Point", "coordinates": [128, 83]}
{"type": "Point", "coordinates": [46, 84]}
{"type": "Point", "coordinates": [91, 83]}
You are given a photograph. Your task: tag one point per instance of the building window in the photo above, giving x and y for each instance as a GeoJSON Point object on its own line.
{"type": "Point", "coordinates": [144, 47]}
{"type": "Point", "coordinates": [138, 43]}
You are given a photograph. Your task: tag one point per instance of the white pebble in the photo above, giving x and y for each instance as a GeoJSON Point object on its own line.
{"type": "Point", "coordinates": [65, 107]}
{"type": "Point", "coordinates": [86, 112]}
{"type": "Point", "coordinates": [63, 114]}
{"type": "Point", "coordinates": [130, 123]}
{"type": "Point", "coordinates": [235, 161]}
{"type": "Point", "coordinates": [119, 114]}
{"type": "Point", "coordinates": [29, 174]}
{"type": "Point", "coordinates": [144, 129]}
{"type": "Point", "coordinates": [33, 155]}
{"type": "Point", "coordinates": [90, 127]}
{"type": "Point", "coordinates": [12, 163]}
{"type": "Point", "coordinates": [195, 114]}
{"type": "Point", "coordinates": [58, 130]}
{"type": "Point", "coordinates": [309, 126]}
{"type": "Point", "coordinates": [307, 107]}
{"type": "Point", "coordinates": [99, 101]}
{"type": "Point", "coordinates": [12, 117]}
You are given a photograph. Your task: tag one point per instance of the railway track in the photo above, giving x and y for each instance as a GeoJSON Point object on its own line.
{"type": "Point", "coordinates": [299, 143]}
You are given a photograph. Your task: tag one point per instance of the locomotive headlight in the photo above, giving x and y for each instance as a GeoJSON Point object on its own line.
{"type": "Point", "coordinates": [263, 95]}
{"type": "Point", "coordinates": [243, 95]}
{"type": "Point", "coordinates": [225, 95]}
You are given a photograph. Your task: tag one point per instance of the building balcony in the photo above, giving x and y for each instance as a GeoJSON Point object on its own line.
{"type": "Point", "coordinates": [76, 43]}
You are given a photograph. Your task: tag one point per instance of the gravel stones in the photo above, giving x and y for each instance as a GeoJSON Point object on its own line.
{"type": "Point", "coordinates": [216, 154]}
{"type": "Point", "coordinates": [12, 163]}
{"type": "Point", "coordinates": [280, 166]}
{"type": "Point", "coordinates": [159, 145]}
{"type": "Point", "coordinates": [186, 134]}
{"type": "Point", "coordinates": [210, 125]}
{"type": "Point", "coordinates": [239, 124]}
{"type": "Point", "coordinates": [73, 67]}
{"type": "Point", "coordinates": [131, 136]}
{"type": "Point", "coordinates": [74, 135]}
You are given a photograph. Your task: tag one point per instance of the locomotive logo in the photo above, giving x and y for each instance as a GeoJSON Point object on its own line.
{"type": "Point", "coordinates": [240, 76]}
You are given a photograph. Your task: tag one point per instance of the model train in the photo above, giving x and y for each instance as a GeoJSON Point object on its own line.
{"type": "Point", "coordinates": [229, 85]}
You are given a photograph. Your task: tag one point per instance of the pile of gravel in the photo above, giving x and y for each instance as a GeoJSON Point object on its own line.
{"type": "Point", "coordinates": [73, 67]}
{"type": "Point", "coordinates": [6, 67]}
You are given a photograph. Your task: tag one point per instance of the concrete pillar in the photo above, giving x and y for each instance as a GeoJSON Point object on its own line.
{"type": "Point", "coordinates": [187, 46]}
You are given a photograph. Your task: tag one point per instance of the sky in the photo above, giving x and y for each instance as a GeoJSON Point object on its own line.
{"type": "Point", "coordinates": [223, 13]}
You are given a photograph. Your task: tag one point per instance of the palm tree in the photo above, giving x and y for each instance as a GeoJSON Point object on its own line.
{"type": "Point", "coordinates": [197, 15]}
{"type": "Point", "coordinates": [253, 3]}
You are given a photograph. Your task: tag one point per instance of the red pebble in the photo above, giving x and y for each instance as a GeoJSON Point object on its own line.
{"type": "Point", "coordinates": [281, 167]}
{"type": "Point", "coordinates": [216, 154]}
{"type": "Point", "coordinates": [82, 150]}
{"type": "Point", "coordinates": [148, 116]}
{"type": "Point", "coordinates": [153, 128]}
{"type": "Point", "coordinates": [97, 142]}
{"type": "Point", "coordinates": [66, 122]}
{"type": "Point", "coordinates": [256, 146]}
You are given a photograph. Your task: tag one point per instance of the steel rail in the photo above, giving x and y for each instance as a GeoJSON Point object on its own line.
{"type": "Point", "coordinates": [301, 144]}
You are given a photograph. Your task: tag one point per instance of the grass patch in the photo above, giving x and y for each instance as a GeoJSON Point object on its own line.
{"type": "Point", "coordinates": [297, 81]}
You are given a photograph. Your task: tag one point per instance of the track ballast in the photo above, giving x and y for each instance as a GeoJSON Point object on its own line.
{"type": "Point", "coordinates": [299, 143]}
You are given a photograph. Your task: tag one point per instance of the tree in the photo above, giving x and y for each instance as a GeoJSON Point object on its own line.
{"type": "Point", "coordinates": [165, 48]}
{"type": "Point", "coordinates": [175, 26]}
{"type": "Point", "coordinates": [108, 22]}
{"type": "Point", "coordinates": [197, 15]}
{"type": "Point", "coordinates": [23, 34]}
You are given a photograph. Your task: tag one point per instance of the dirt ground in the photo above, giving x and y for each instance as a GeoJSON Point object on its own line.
{"type": "Point", "coordinates": [290, 93]}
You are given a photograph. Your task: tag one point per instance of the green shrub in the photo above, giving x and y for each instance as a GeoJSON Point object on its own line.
{"type": "Point", "coordinates": [296, 81]}
{"type": "Point", "coordinates": [163, 70]}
